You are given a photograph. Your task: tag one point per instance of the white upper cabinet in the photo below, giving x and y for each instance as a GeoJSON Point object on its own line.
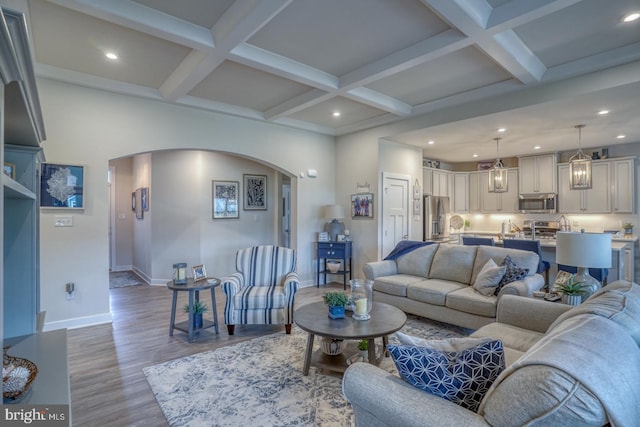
{"type": "Point", "coordinates": [506, 202]}
{"type": "Point", "coordinates": [622, 175]}
{"type": "Point", "coordinates": [475, 202]}
{"type": "Point", "coordinates": [595, 200]}
{"type": "Point", "coordinates": [537, 174]}
{"type": "Point", "coordinates": [440, 183]}
{"type": "Point", "coordinates": [460, 197]}
{"type": "Point", "coordinates": [427, 181]}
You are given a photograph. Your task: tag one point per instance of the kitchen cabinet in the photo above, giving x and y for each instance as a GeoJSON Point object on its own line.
{"type": "Point", "coordinates": [595, 200]}
{"type": "Point", "coordinates": [622, 179]}
{"type": "Point", "coordinates": [427, 181]}
{"type": "Point", "coordinates": [460, 196]}
{"type": "Point", "coordinates": [506, 202]}
{"type": "Point", "coordinates": [23, 130]}
{"type": "Point", "coordinates": [440, 184]}
{"type": "Point", "coordinates": [538, 174]}
{"type": "Point", "coordinates": [475, 202]}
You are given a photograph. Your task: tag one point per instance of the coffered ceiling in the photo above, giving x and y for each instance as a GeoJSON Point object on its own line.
{"type": "Point", "coordinates": [376, 62]}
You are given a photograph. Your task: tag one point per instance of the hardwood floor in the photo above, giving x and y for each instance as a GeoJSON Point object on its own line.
{"type": "Point", "coordinates": [108, 387]}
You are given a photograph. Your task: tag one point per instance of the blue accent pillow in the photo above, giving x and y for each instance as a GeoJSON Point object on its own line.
{"type": "Point", "coordinates": [462, 377]}
{"type": "Point", "coordinates": [511, 274]}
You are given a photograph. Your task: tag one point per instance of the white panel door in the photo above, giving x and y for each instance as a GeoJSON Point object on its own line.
{"type": "Point", "coordinates": [395, 211]}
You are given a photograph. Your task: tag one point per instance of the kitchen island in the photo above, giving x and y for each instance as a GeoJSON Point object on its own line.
{"type": "Point", "coordinates": [622, 253]}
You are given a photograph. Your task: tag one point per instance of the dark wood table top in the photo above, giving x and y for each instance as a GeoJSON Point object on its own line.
{"type": "Point", "coordinates": [314, 318]}
{"type": "Point", "coordinates": [191, 285]}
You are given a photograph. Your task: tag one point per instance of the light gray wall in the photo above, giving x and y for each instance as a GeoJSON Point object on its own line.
{"type": "Point", "coordinates": [123, 221]}
{"type": "Point", "coordinates": [90, 127]}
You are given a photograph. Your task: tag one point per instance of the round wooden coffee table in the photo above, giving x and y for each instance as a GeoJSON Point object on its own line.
{"type": "Point", "coordinates": [314, 319]}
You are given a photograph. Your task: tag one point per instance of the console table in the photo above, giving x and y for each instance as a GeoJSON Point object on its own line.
{"type": "Point", "coordinates": [334, 251]}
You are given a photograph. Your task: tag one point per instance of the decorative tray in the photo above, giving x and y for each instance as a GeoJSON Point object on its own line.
{"type": "Point", "coordinates": [17, 376]}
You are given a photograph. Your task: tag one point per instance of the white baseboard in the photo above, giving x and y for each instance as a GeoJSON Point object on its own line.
{"type": "Point", "coordinates": [78, 322]}
{"type": "Point", "coordinates": [123, 268]}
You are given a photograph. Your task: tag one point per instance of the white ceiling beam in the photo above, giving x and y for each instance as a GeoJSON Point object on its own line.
{"type": "Point", "coordinates": [519, 12]}
{"type": "Point", "coordinates": [506, 49]}
{"type": "Point", "coordinates": [270, 62]}
{"type": "Point", "coordinates": [298, 103]}
{"type": "Point", "coordinates": [427, 50]}
{"type": "Point", "coordinates": [145, 20]}
{"type": "Point", "coordinates": [379, 100]}
{"type": "Point", "coordinates": [247, 17]}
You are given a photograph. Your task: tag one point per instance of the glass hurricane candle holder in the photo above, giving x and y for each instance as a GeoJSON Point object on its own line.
{"type": "Point", "coordinates": [362, 296]}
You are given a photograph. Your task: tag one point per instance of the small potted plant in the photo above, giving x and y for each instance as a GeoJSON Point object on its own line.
{"type": "Point", "coordinates": [572, 291]}
{"type": "Point", "coordinates": [628, 229]}
{"type": "Point", "coordinates": [363, 346]}
{"type": "Point", "coordinates": [198, 308]}
{"type": "Point", "coordinates": [336, 302]}
{"type": "Point", "coordinates": [467, 224]}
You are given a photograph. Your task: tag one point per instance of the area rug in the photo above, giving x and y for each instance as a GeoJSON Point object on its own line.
{"type": "Point", "coordinates": [122, 279]}
{"type": "Point", "coordinates": [260, 383]}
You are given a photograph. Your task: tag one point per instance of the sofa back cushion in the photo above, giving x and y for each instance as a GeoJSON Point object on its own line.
{"type": "Point", "coordinates": [454, 263]}
{"type": "Point", "coordinates": [417, 262]}
{"type": "Point", "coordinates": [523, 259]}
{"type": "Point", "coordinates": [618, 301]}
{"type": "Point", "coordinates": [584, 372]}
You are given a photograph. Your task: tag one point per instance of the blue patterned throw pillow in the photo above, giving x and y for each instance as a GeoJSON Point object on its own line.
{"type": "Point", "coordinates": [511, 274]}
{"type": "Point", "coordinates": [463, 377]}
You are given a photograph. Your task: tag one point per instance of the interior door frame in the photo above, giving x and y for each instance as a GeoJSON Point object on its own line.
{"type": "Point", "coordinates": [383, 177]}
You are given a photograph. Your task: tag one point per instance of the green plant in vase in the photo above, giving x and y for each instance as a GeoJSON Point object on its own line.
{"type": "Point", "coordinates": [198, 308]}
{"type": "Point", "coordinates": [336, 302]}
{"type": "Point", "coordinates": [572, 291]}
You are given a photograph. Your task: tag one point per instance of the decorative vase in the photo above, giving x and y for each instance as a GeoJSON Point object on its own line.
{"type": "Point", "coordinates": [364, 354]}
{"type": "Point", "coordinates": [362, 296]}
{"type": "Point", "coordinates": [571, 299]}
{"type": "Point", "coordinates": [336, 311]}
{"type": "Point", "coordinates": [197, 320]}
{"type": "Point", "coordinates": [332, 346]}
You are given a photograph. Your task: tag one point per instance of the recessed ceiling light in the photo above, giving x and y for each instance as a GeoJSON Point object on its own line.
{"type": "Point", "coordinates": [633, 16]}
{"type": "Point", "coordinates": [475, 155]}
{"type": "Point", "coordinates": [502, 129]}
{"type": "Point", "coordinates": [603, 112]}
{"type": "Point", "coordinates": [537, 147]}
{"type": "Point", "coordinates": [431, 142]}
{"type": "Point", "coordinates": [336, 114]}
{"type": "Point", "coordinates": [111, 55]}
{"type": "Point", "coordinates": [621, 136]}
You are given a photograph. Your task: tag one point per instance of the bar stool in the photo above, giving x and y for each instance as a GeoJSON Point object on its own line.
{"type": "Point", "coordinates": [532, 246]}
{"type": "Point", "coordinates": [475, 241]}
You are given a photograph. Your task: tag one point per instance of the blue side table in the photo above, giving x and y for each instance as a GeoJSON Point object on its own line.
{"type": "Point", "coordinates": [194, 289]}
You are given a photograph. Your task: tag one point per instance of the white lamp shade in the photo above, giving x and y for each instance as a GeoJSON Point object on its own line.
{"type": "Point", "coordinates": [333, 212]}
{"type": "Point", "coordinates": [586, 250]}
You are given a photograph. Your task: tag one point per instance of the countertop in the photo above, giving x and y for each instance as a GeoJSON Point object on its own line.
{"type": "Point", "coordinates": [617, 244]}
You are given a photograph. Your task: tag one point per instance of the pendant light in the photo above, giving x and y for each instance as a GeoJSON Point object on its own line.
{"type": "Point", "coordinates": [580, 167]}
{"type": "Point", "coordinates": [497, 174]}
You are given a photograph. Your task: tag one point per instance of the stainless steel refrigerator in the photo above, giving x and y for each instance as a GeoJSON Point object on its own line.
{"type": "Point", "coordinates": [435, 218]}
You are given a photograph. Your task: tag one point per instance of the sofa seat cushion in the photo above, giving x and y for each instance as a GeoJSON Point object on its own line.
{"type": "Point", "coordinates": [432, 291]}
{"type": "Point", "coordinates": [568, 378]}
{"type": "Point", "coordinates": [417, 262]}
{"type": "Point", "coordinates": [511, 336]}
{"type": "Point", "coordinates": [396, 284]}
{"type": "Point", "coordinates": [618, 301]}
{"type": "Point", "coordinates": [523, 259]}
{"type": "Point", "coordinates": [468, 300]}
{"type": "Point", "coordinates": [453, 263]}
{"type": "Point", "coordinates": [460, 371]}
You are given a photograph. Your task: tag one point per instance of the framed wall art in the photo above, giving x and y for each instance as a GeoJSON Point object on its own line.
{"type": "Point", "coordinates": [62, 186]}
{"type": "Point", "coordinates": [225, 199]}
{"type": "Point", "coordinates": [255, 192]}
{"type": "Point", "coordinates": [362, 205]}
{"type": "Point", "coordinates": [144, 197]}
{"type": "Point", "coordinates": [10, 170]}
{"type": "Point", "coordinates": [138, 203]}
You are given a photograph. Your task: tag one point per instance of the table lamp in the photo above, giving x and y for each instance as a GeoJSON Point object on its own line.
{"type": "Point", "coordinates": [584, 251]}
{"type": "Point", "coordinates": [335, 213]}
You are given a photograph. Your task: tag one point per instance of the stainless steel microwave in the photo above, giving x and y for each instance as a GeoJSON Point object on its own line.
{"type": "Point", "coordinates": [538, 203]}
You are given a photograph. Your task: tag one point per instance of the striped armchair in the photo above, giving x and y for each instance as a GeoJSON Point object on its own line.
{"type": "Point", "coordinates": [262, 289]}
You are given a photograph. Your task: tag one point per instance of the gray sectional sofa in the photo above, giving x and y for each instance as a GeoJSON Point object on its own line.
{"type": "Point", "coordinates": [435, 281]}
{"type": "Point", "coordinates": [565, 366]}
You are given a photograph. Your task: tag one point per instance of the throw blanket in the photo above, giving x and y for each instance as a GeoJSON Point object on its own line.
{"type": "Point", "coordinates": [597, 353]}
{"type": "Point", "coordinates": [404, 247]}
